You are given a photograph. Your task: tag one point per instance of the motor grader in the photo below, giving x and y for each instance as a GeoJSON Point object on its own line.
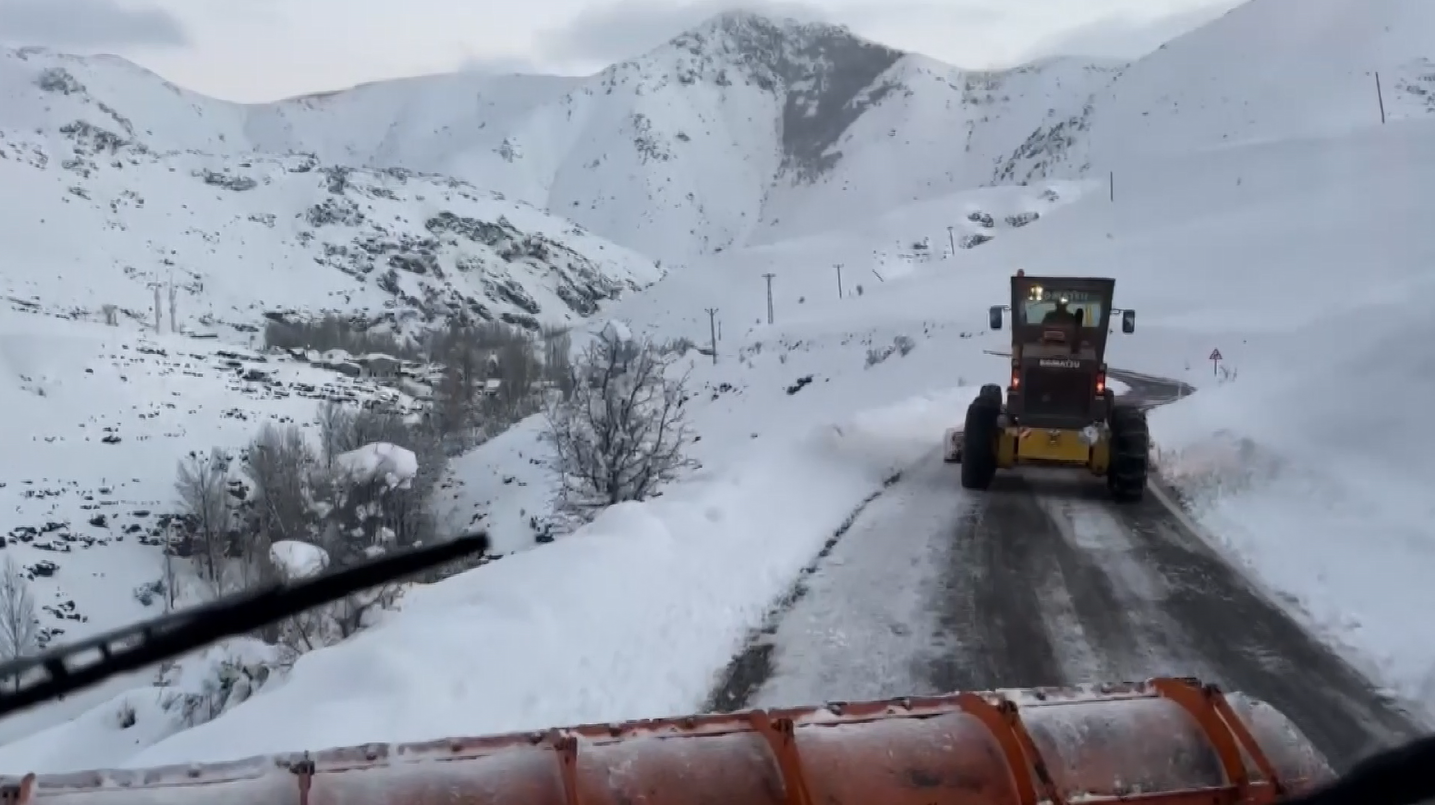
{"type": "Point", "coordinates": [1058, 410]}
{"type": "Point", "coordinates": [1160, 742]}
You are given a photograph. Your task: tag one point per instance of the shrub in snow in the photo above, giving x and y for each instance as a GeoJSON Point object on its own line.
{"type": "Point", "coordinates": [1022, 219]}
{"type": "Point", "coordinates": [147, 593]}
{"type": "Point", "coordinates": [983, 218]}
{"type": "Point", "coordinates": [386, 465]}
{"type": "Point", "coordinates": [901, 345]}
{"type": "Point", "coordinates": [677, 346]}
{"type": "Point", "coordinates": [259, 516]}
{"type": "Point", "coordinates": [201, 687]}
{"type": "Point", "coordinates": [622, 432]}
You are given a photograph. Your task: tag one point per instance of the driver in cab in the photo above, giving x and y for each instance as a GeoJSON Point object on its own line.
{"type": "Point", "coordinates": [1061, 315]}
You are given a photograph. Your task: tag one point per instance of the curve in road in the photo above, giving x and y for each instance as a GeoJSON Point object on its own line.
{"type": "Point", "coordinates": [1043, 581]}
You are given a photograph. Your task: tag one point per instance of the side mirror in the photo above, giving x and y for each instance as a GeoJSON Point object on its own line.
{"type": "Point", "coordinates": [995, 315]}
{"type": "Point", "coordinates": [1128, 321]}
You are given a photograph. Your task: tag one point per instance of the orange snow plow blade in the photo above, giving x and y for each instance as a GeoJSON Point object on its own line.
{"type": "Point", "coordinates": [1162, 742]}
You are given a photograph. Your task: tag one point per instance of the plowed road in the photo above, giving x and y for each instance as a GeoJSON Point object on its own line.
{"type": "Point", "coordinates": [1043, 581]}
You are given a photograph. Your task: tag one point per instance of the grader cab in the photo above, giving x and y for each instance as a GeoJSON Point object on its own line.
{"type": "Point", "coordinates": [1058, 409]}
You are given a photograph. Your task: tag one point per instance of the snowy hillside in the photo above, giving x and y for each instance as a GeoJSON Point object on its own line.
{"type": "Point", "coordinates": [101, 203]}
{"type": "Point", "coordinates": [804, 420]}
{"type": "Point", "coordinates": [123, 216]}
{"type": "Point", "coordinates": [88, 488]}
{"type": "Point", "coordinates": [1266, 70]}
{"type": "Point", "coordinates": [1252, 214]}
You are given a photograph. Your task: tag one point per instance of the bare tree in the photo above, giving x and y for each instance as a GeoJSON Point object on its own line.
{"type": "Point", "coordinates": [334, 420]}
{"type": "Point", "coordinates": [453, 408]}
{"type": "Point", "coordinates": [622, 433]}
{"type": "Point", "coordinates": [277, 462]}
{"type": "Point", "coordinates": [19, 628]}
{"type": "Point", "coordinates": [203, 489]}
{"type": "Point", "coordinates": [169, 570]}
{"type": "Point", "coordinates": [558, 360]}
{"type": "Point", "coordinates": [518, 369]}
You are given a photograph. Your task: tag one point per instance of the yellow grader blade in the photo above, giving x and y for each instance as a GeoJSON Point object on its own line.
{"type": "Point", "coordinates": [1160, 742]}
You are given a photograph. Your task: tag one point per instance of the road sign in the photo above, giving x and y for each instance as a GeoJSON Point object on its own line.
{"type": "Point", "coordinates": [1215, 355]}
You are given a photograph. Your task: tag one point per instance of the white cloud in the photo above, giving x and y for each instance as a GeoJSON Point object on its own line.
{"type": "Point", "coordinates": [264, 49]}
{"type": "Point", "coordinates": [87, 24]}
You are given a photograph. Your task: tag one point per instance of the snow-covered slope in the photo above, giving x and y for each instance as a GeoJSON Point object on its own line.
{"type": "Point", "coordinates": [804, 419]}
{"type": "Point", "coordinates": [1293, 247]}
{"type": "Point", "coordinates": [101, 201]}
{"type": "Point", "coordinates": [126, 202]}
{"type": "Point", "coordinates": [102, 417]}
{"type": "Point", "coordinates": [1266, 70]}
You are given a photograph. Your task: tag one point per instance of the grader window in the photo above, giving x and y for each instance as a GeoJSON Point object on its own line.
{"type": "Point", "coordinates": [1034, 311]}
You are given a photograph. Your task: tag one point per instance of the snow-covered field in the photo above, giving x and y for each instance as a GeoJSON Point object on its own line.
{"type": "Point", "coordinates": [1296, 249]}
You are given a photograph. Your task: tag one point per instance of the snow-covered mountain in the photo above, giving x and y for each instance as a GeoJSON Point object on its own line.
{"type": "Point", "coordinates": [748, 130]}
{"type": "Point", "coordinates": [112, 186]}
{"type": "Point", "coordinates": [744, 130]}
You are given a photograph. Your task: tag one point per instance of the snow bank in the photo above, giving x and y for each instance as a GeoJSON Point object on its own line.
{"type": "Point", "coordinates": [631, 616]}
{"type": "Point", "coordinates": [198, 688]}
{"type": "Point", "coordinates": [1315, 475]}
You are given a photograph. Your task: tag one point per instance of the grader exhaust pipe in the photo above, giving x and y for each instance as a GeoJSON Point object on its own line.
{"type": "Point", "coordinates": [1160, 742]}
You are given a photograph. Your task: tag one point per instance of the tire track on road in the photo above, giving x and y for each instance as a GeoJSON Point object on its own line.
{"type": "Point", "coordinates": [1253, 645]}
{"type": "Point", "coordinates": [996, 630]}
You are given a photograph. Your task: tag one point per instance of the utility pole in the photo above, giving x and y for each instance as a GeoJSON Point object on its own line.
{"type": "Point", "coordinates": [158, 308]}
{"type": "Point", "coordinates": [952, 241]}
{"type": "Point", "coordinates": [769, 277]}
{"type": "Point", "coordinates": [173, 316]}
{"type": "Point", "coordinates": [839, 280]}
{"type": "Point", "coordinates": [1380, 98]}
{"type": "Point", "coordinates": [712, 331]}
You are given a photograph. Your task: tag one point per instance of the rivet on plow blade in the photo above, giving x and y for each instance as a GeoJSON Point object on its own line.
{"type": "Point", "coordinates": [1162, 742]}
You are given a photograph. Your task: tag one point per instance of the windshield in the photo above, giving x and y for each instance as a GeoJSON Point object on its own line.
{"type": "Point", "coordinates": [1041, 303]}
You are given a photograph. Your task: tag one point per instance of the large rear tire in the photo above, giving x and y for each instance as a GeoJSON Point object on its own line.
{"type": "Point", "coordinates": [1130, 454]}
{"type": "Point", "coordinates": [979, 441]}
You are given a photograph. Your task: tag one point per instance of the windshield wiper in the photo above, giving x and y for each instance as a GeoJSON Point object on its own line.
{"type": "Point", "coordinates": [84, 663]}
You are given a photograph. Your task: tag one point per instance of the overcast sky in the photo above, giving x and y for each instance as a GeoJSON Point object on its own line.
{"type": "Point", "coordinates": [253, 50]}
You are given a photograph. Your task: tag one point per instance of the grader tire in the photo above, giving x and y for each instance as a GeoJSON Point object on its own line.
{"type": "Point", "coordinates": [979, 443]}
{"type": "Point", "coordinates": [1130, 454]}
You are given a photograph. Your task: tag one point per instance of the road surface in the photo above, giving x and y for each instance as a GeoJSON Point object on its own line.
{"type": "Point", "coordinates": [1043, 581]}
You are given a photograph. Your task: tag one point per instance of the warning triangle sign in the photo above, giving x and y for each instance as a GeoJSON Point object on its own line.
{"type": "Point", "coordinates": [1215, 355]}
